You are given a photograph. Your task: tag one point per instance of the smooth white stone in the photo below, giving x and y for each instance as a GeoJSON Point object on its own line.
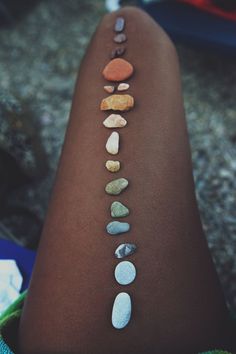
{"type": "Point", "coordinates": [115, 121]}
{"type": "Point", "coordinates": [125, 249]}
{"type": "Point", "coordinates": [121, 311]}
{"type": "Point", "coordinates": [123, 86]}
{"type": "Point", "coordinates": [112, 145]}
{"type": "Point", "coordinates": [125, 273]}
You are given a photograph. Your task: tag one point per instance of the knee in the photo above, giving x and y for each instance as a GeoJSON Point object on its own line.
{"type": "Point", "coordinates": [139, 22]}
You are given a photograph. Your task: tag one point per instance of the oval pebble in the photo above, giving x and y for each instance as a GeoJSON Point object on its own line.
{"type": "Point", "coordinates": [112, 144]}
{"type": "Point", "coordinates": [125, 273]}
{"type": "Point", "coordinates": [119, 24]}
{"type": "Point", "coordinates": [120, 38]}
{"type": "Point", "coordinates": [125, 249]}
{"type": "Point", "coordinates": [116, 186]}
{"type": "Point", "coordinates": [117, 227]}
{"type": "Point", "coordinates": [118, 69]}
{"type": "Point", "coordinates": [123, 86]}
{"type": "Point", "coordinates": [121, 310]}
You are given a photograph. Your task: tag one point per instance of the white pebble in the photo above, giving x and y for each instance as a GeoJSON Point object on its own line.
{"type": "Point", "coordinates": [121, 311]}
{"type": "Point", "coordinates": [125, 273]}
{"type": "Point", "coordinates": [115, 121]}
{"type": "Point", "coordinates": [123, 86]}
{"type": "Point", "coordinates": [112, 145]}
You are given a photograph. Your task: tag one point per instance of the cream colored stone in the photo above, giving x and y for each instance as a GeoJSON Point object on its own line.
{"type": "Point", "coordinates": [113, 166]}
{"type": "Point", "coordinates": [123, 86]}
{"type": "Point", "coordinates": [112, 145]}
{"type": "Point", "coordinates": [114, 121]}
{"type": "Point", "coordinates": [109, 89]}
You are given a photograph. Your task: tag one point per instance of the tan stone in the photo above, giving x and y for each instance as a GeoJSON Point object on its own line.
{"type": "Point", "coordinates": [113, 166]}
{"type": "Point", "coordinates": [123, 86]}
{"type": "Point", "coordinates": [109, 89]}
{"type": "Point", "coordinates": [117, 103]}
{"type": "Point", "coordinates": [118, 69]}
{"type": "Point", "coordinates": [115, 121]}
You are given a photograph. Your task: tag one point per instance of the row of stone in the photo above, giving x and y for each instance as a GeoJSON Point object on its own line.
{"type": "Point", "coordinates": [118, 70]}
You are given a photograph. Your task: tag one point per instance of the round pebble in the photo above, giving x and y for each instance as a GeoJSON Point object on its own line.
{"type": "Point", "coordinates": [118, 69]}
{"type": "Point", "coordinates": [112, 166]}
{"type": "Point", "coordinates": [125, 273]}
{"type": "Point", "coordinates": [120, 38]}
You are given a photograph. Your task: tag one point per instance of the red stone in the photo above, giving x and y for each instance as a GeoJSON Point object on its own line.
{"type": "Point", "coordinates": [118, 70]}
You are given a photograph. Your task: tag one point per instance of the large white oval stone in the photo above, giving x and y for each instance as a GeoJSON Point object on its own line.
{"type": "Point", "coordinates": [125, 273]}
{"type": "Point", "coordinates": [112, 145]}
{"type": "Point", "coordinates": [121, 311]}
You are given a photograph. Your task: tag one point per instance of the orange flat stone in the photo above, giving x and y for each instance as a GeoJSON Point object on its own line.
{"type": "Point", "coordinates": [117, 103]}
{"type": "Point", "coordinates": [118, 69]}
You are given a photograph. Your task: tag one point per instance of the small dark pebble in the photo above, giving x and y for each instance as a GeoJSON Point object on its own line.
{"type": "Point", "coordinates": [120, 38]}
{"type": "Point", "coordinates": [117, 52]}
{"type": "Point", "coordinates": [119, 24]}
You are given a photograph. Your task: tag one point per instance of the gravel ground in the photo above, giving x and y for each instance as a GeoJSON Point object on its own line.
{"type": "Point", "coordinates": [39, 59]}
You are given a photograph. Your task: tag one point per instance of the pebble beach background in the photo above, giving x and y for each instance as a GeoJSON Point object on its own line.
{"type": "Point", "coordinates": [39, 59]}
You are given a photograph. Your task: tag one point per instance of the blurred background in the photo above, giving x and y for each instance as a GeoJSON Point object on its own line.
{"type": "Point", "coordinates": [42, 43]}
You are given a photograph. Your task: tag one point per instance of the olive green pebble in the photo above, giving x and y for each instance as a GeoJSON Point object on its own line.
{"type": "Point", "coordinates": [119, 210]}
{"type": "Point", "coordinates": [116, 186]}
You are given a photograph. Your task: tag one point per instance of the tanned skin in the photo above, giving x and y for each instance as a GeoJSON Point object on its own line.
{"type": "Point", "coordinates": [178, 306]}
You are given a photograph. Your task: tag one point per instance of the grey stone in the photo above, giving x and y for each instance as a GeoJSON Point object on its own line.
{"type": "Point", "coordinates": [119, 210]}
{"type": "Point", "coordinates": [119, 24]}
{"type": "Point", "coordinates": [125, 273]}
{"type": "Point", "coordinates": [125, 249]}
{"type": "Point", "coordinates": [117, 227]}
{"type": "Point", "coordinates": [116, 186]}
{"type": "Point", "coordinates": [121, 311]}
{"type": "Point", "coordinates": [117, 52]}
{"type": "Point", "coordinates": [120, 38]}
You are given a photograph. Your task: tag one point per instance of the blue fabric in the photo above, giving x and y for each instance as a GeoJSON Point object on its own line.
{"type": "Point", "coordinates": [193, 26]}
{"type": "Point", "coordinates": [23, 257]}
{"type": "Point", "coordinates": [4, 349]}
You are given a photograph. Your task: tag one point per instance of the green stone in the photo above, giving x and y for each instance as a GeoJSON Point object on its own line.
{"type": "Point", "coordinates": [119, 210]}
{"type": "Point", "coordinates": [116, 186]}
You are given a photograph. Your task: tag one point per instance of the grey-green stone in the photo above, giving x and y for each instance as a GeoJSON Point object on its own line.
{"type": "Point", "coordinates": [119, 210]}
{"type": "Point", "coordinates": [116, 186]}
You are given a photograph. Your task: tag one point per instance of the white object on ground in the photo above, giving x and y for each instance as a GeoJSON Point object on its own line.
{"type": "Point", "coordinates": [112, 5]}
{"type": "Point", "coordinates": [10, 283]}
